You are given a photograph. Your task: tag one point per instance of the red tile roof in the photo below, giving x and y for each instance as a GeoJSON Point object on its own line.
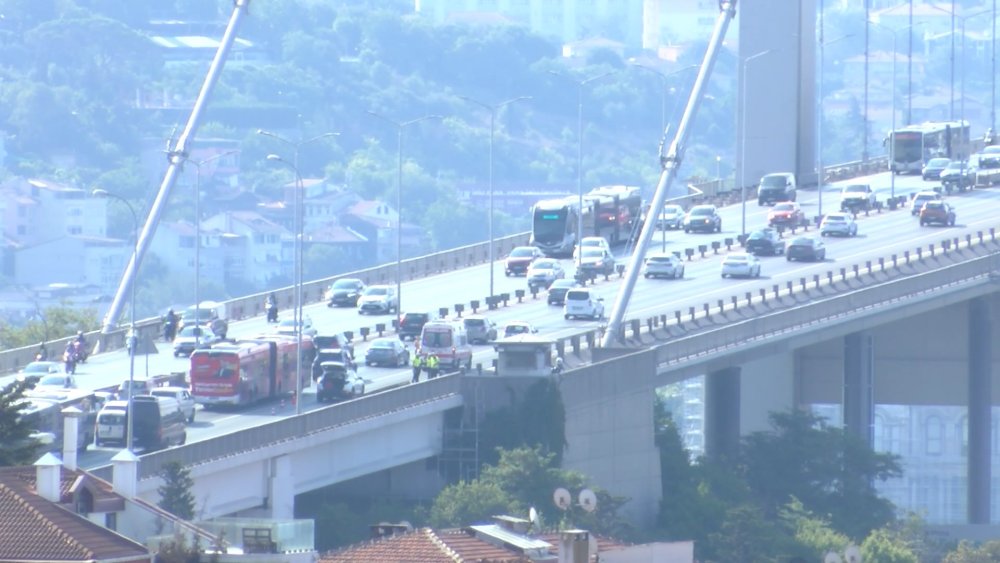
{"type": "Point", "coordinates": [35, 529]}
{"type": "Point", "coordinates": [425, 546]}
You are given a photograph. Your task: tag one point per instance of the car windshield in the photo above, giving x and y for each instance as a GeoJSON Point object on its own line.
{"type": "Point", "coordinates": [772, 182]}
{"type": "Point", "coordinates": [737, 259]}
{"type": "Point", "coordinates": [345, 284]}
{"type": "Point", "coordinates": [37, 367]}
{"type": "Point", "coordinates": [562, 284]}
{"type": "Point", "coordinates": [925, 197]}
{"type": "Point", "coordinates": [938, 162]}
{"type": "Point", "coordinates": [671, 209]}
{"type": "Point", "coordinates": [376, 291]}
{"type": "Point", "coordinates": [415, 318]}
{"type": "Point", "coordinates": [659, 259]}
{"type": "Point", "coordinates": [593, 253]}
{"type": "Point", "coordinates": [578, 295]}
{"type": "Point", "coordinates": [934, 205]}
{"type": "Point", "coordinates": [702, 211]}
{"type": "Point", "coordinates": [191, 331]}
{"type": "Point", "coordinates": [386, 344]}
{"type": "Point", "coordinates": [856, 189]}
{"type": "Point", "coordinates": [784, 207]}
{"type": "Point", "coordinates": [757, 235]}
{"type": "Point", "coordinates": [522, 252]}
{"type": "Point", "coordinates": [802, 241]}
{"type": "Point", "coordinates": [475, 323]}
{"type": "Point", "coordinates": [835, 218]}
{"type": "Point", "coordinates": [545, 265]}
{"type": "Point", "coordinates": [593, 242]}
{"type": "Point", "coordinates": [53, 381]}
{"type": "Point", "coordinates": [516, 329]}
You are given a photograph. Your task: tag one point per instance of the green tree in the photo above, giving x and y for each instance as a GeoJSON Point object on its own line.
{"type": "Point", "coordinates": [830, 471]}
{"type": "Point", "coordinates": [177, 550]}
{"type": "Point", "coordinates": [886, 546]}
{"type": "Point", "coordinates": [466, 503]}
{"type": "Point", "coordinates": [20, 448]}
{"type": "Point", "coordinates": [969, 552]}
{"type": "Point", "coordinates": [48, 324]}
{"type": "Point", "coordinates": [175, 492]}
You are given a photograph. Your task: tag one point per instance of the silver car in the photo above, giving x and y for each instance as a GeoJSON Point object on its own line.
{"type": "Point", "coordinates": [741, 264]}
{"type": "Point", "coordinates": [838, 224]}
{"type": "Point", "coordinates": [671, 217]}
{"type": "Point", "coordinates": [543, 272]}
{"type": "Point", "coordinates": [480, 329]}
{"type": "Point", "coordinates": [663, 265]}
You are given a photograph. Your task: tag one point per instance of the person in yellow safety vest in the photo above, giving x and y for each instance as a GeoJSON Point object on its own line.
{"type": "Point", "coordinates": [418, 363]}
{"type": "Point", "coordinates": [432, 366]}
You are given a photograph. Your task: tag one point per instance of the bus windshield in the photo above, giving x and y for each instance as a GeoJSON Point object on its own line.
{"type": "Point", "coordinates": [549, 224]}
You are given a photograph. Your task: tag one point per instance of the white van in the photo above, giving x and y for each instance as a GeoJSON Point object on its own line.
{"type": "Point", "coordinates": [447, 340]}
{"type": "Point", "coordinates": [581, 302]}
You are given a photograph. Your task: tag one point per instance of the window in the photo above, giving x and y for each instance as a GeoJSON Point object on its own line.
{"type": "Point", "coordinates": [75, 229]}
{"type": "Point", "coordinates": [111, 521]}
{"type": "Point", "coordinates": [933, 435]}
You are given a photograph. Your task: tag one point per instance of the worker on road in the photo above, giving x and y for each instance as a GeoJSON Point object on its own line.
{"type": "Point", "coordinates": [418, 363]}
{"type": "Point", "coordinates": [432, 366]}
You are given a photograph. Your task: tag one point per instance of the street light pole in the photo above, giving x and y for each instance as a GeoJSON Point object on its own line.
{"type": "Point", "coordinates": [579, 150]}
{"type": "Point", "coordinates": [493, 109]}
{"type": "Point", "coordinates": [743, 143]}
{"type": "Point", "coordinates": [399, 197]}
{"type": "Point", "coordinates": [892, 135]}
{"type": "Point", "coordinates": [133, 343]}
{"type": "Point", "coordinates": [197, 229]}
{"type": "Point", "coordinates": [820, 173]}
{"type": "Point", "coordinates": [298, 225]}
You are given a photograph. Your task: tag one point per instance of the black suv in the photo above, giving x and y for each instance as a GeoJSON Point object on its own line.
{"type": "Point", "coordinates": [765, 241]}
{"type": "Point", "coordinates": [412, 323]}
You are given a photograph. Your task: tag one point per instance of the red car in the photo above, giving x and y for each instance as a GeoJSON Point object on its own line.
{"type": "Point", "coordinates": [786, 214]}
{"type": "Point", "coordinates": [937, 212]}
{"type": "Point", "coordinates": [520, 259]}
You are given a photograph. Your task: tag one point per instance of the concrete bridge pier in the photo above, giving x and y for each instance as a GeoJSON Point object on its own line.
{"type": "Point", "coordinates": [859, 377]}
{"type": "Point", "coordinates": [281, 489]}
{"type": "Point", "coordinates": [980, 410]}
{"type": "Point", "coordinates": [722, 413]}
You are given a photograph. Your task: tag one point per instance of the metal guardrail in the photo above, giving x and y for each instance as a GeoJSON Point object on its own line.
{"type": "Point", "coordinates": [340, 414]}
{"type": "Point", "coordinates": [413, 268]}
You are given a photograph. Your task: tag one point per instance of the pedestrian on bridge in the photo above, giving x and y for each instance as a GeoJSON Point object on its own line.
{"type": "Point", "coordinates": [432, 366]}
{"type": "Point", "coordinates": [418, 364]}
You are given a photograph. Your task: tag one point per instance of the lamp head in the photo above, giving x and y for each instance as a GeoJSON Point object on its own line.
{"type": "Point", "coordinates": [98, 192]}
{"type": "Point", "coordinates": [275, 157]}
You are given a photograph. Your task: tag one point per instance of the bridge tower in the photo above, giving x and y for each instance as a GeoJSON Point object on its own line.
{"type": "Point", "coordinates": [780, 89]}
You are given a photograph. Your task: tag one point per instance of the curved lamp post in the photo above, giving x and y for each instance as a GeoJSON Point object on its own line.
{"type": "Point", "coordinates": [743, 144]}
{"type": "Point", "coordinates": [493, 109]}
{"type": "Point", "coordinates": [132, 338]}
{"type": "Point", "coordinates": [400, 125]}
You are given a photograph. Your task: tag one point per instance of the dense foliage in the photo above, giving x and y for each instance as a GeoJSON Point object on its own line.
{"type": "Point", "coordinates": [175, 492]}
{"type": "Point", "coordinates": [19, 447]}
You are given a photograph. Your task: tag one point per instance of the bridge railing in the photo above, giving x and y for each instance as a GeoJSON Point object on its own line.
{"type": "Point", "coordinates": [412, 268]}
{"type": "Point", "coordinates": [293, 427]}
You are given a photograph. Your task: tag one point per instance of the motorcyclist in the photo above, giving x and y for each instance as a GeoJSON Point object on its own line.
{"type": "Point", "coordinates": [70, 357]}
{"type": "Point", "coordinates": [80, 347]}
{"type": "Point", "coordinates": [43, 353]}
{"type": "Point", "coordinates": [170, 325]}
{"type": "Point", "coordinates": [272, 308]}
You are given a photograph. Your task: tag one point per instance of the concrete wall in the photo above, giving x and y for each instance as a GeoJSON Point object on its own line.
{"type": "Point", "coordinates": [610, 432]}
{"type": "Point", "coordinates": [780, 87]}
{"type": "Point", "coordinates": [912, 356]}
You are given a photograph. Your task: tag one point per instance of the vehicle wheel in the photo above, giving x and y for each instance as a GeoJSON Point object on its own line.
{"type": "Point", "coordinates": [951, 223]}
{"type": "Point", "coordinates": [647, 276]}
{"type": "Point", "coordinates": [723, 276]}
{"type": "Point", "coordinates": [687, 230]}
{"type": "Point", "coordinates": [718, 228]}
{"type": "Point", "coordinates": [682, 273]}
{"type": "Point", "coordinates": [822, 234]}
{"type": "Point", "coordinates": [788, 258]}
{"type": "Point", "coordinates": [566, 317]}
{"type": "Point", "coordinates": [191, 418]}
{"type": "Point", "coordinates": [757, 273]}
{"type": "Point", "coordinates": [923, 223]}
{"type": "Point", "coordinates": [183, 440]}
{"type": "Point", "coordinates": [507, 273]}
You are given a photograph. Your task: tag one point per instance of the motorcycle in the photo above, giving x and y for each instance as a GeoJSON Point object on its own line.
{"type": "Point", "coordinates": [80, 351]}
{"type": "Point", "coordinates": [169, 330]}
{"type": "Point", "coordinates": [272, 311]}
{"type": "Point", "coordinates": [69, 359]}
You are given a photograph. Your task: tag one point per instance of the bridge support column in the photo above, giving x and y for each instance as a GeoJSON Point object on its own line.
{"type": "Point", "coordinates": [281, 495]}
{"type": "Point", "coordinates": [859, 399]}
{"type": "Point", "coordinates": [980, 416]}
{"type": "Point", "coordinates": [722, 413]}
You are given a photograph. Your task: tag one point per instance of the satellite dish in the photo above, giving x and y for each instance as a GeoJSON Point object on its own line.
{"type": "Point", "coordinates": [852, 554]}
{"type": "Point", "coordinates": [588, 500]}
{"type": "Point", "coordinates": [562, 499]}
{"type": "Point", "coordinates": [832, 557]}
{"type": "Point", "coordinates": [532, 516]}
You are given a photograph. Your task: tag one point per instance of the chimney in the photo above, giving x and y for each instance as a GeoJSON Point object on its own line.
{"type": "Point", "coordinates": [513, 524]}
{"type": "Point", "coordinates": [574, 546]}
{"type": "Point", "coordinates": [48, 478]}
{"type": "Point", "coordinates": [71, 436]}
{"type": "Point", "coordinates": [387, 529]}
{"type": "Point", "coordinates": [125, 473]}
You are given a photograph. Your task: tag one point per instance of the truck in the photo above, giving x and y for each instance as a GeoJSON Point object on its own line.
{"type": "Point", "coordinates": [857, 197]}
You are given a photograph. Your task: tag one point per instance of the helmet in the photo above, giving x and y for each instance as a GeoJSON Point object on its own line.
{"type": "Point", "coordinates": [79, 333]}
{"type": "Point", "coordinates": [170, 311]}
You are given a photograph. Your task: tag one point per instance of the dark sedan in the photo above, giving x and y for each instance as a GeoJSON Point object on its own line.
{"type": "Point", "coordinates": [558, 289]}
{"type": "Point", "coordinates": [345, 293]}
{"type": "Point", "coordinates": [806, 249]}
{"type": "Point", "coordinates": [765, 242]}
{"type": "Point", "coordinates": [387, 352]}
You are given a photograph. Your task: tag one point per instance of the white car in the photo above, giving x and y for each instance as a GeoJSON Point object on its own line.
{"type": "Point", "coordinates": [663, 265]}
{"type": "Point", "coordinates": [185, 402]}
{"type": "Point", "coordinates": [192, 337]}
{"type": "Point", "coordinates": [542, 272]}
{"type": "Point", "coordinates": [839, 224]}
{"type": "Point", "coordinates": [518, 327]}
{"type": "Point", "coordinates": [288, 326]}
{"type": "Point", "coordinates": [580, 302]}
{"type": "Point", "coordinates": [378, 299]}
{"type": "Point", "coordinates": [591, 242]}
{"type": "Point", "coordinates": [672, 217]}
{"type": "Point", "coordinates": [741, 264]}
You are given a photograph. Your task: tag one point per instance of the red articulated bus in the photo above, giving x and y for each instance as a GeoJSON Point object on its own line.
{"type": "Point", "coordinates": [244, 372]}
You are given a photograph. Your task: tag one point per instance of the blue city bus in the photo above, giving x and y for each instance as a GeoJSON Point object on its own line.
{"type": "Point", "coordinates": [612, 212]}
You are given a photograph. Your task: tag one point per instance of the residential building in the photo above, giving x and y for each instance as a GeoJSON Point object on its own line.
{"type": "Point", "coordinates": [377, 222]}
{"type": "Point", "coordinates": [174, 246]}
{"type": "Point", "coordinates": [38, 210]}
{"type": "Point", "coordinates": [565, 22]}
{"type": "Point", "coordinates": [505, 541]}
{"type": "Point", "coordinates": [254, 249]}
{"type": "Point", "coordinates": [73, 259]}
{"type": "Point", "coordinates": [667, 23]}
